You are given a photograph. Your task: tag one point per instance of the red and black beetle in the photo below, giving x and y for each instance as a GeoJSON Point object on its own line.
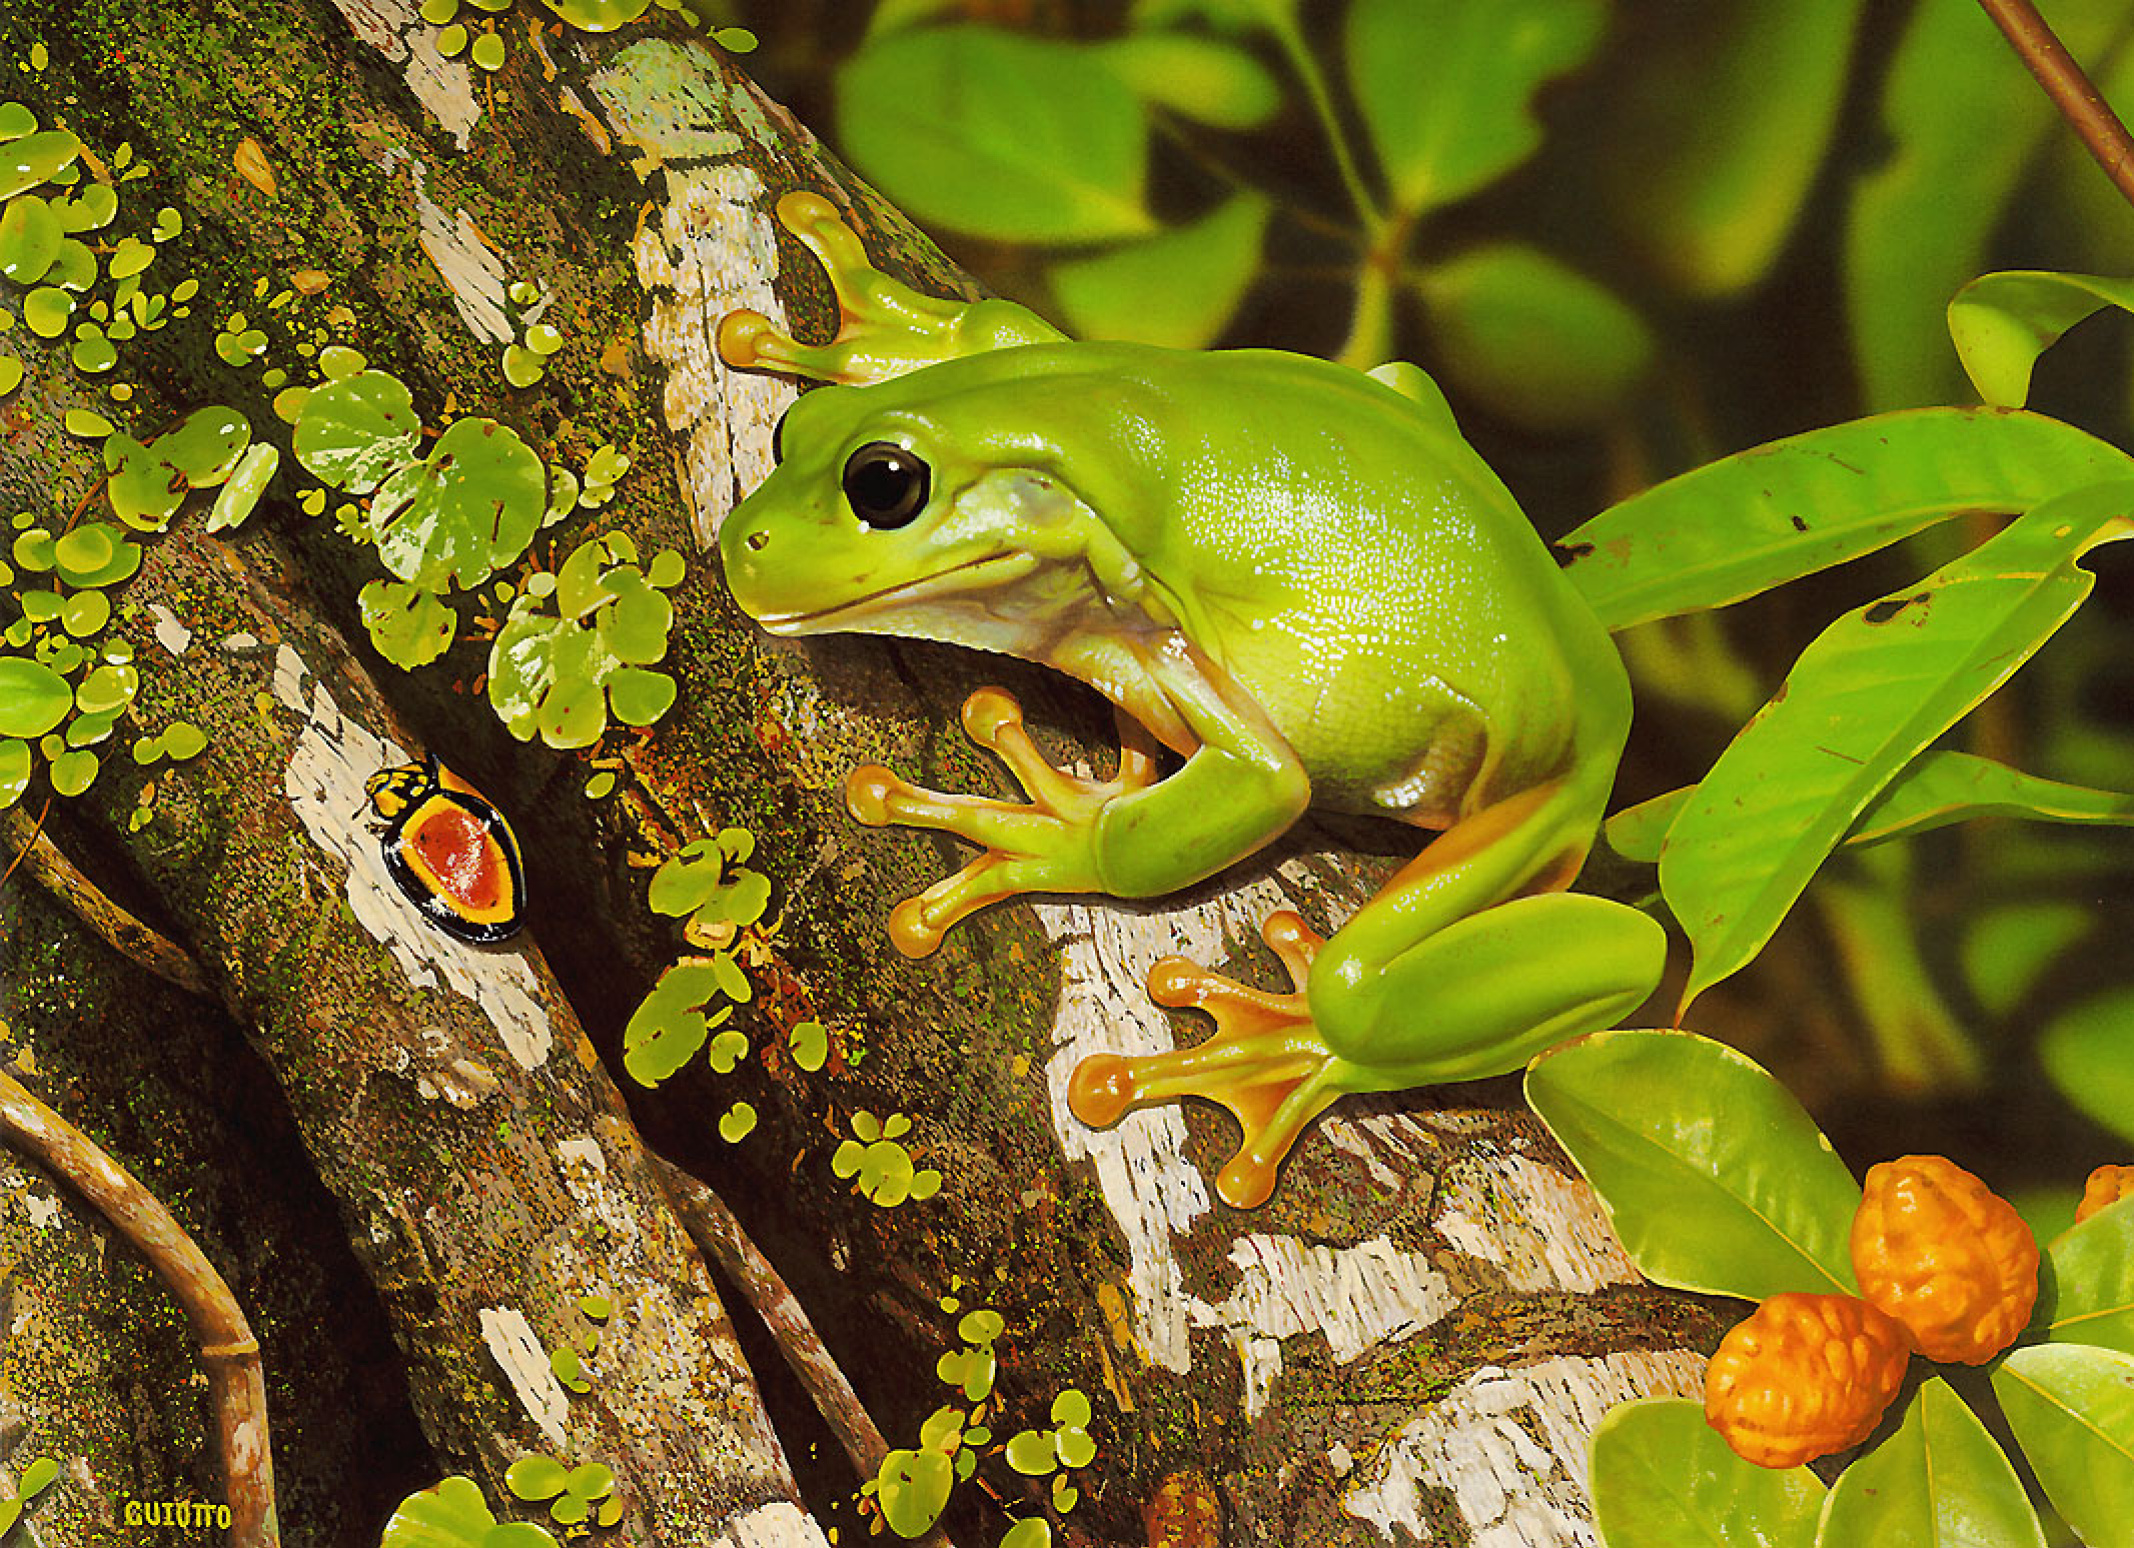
{"type": "Point", "coordinates": [450, 851]}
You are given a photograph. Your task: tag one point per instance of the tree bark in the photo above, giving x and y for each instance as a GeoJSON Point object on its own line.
{"type": "Point", "coordinates": [1411, 1342]}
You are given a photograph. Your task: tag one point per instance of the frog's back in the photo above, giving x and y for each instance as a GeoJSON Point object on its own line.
{"type": "Point", "coordinates": [1350, 560]}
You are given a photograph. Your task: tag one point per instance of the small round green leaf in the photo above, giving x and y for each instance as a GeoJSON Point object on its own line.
{"type": "Point", "coordinates": [468, 509]}
{"type": "Point", "coordinates": [14, 771]}
{"type": "Point", "coordinates": [33, 697]}
{"type": "Point", "coordinates": [35, 158]}
{"type": "Point", "coordinates": [536, 1477]}
{"type": "Point", "coordinates": [452, 1515]}
{"type": "Point", "coordinates": [74, 771]}
{"type": "Point", "coordinates": [356, 431]}
{"type": "Point", "coordinates": [30, 234]}
{"type": "Point", "coordinates": [205, 445]}
{"type": "Point", "coordinates": [1030, 1453]}
{"type": "Point", "coordinates": [409, 626]}
{"type": "Point", "coordinates": [913, 1487]}
{"type": "Point", "coordinates": [737, 1122]}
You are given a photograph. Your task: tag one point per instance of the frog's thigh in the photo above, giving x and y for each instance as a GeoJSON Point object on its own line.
{"type": "Point", "coordinates": [1220, 807]}
{"type": "Point", "coordinates": [1486, 993]}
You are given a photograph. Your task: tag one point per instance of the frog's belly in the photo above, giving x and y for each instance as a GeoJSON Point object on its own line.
{"type": "Point", "coordinates": [1418, 748]}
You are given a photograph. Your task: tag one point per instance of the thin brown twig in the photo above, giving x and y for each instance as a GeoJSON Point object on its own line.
{"type": "Point", "coordinates": [43, 859]}
{"type": "Point", "coordinates": [237, 1387]}
{"type": "Point", "coordinates": [2079, 102]}
{"type": "Point", "coordinates": [714, 1229]}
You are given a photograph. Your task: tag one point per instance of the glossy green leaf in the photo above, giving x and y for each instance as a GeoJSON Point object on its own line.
{"type": "Point", "coordinates": [671, 1024]}
{"type": "Point", "coordinates": [1445, 89]}
{"type": "Point", "coordinates": [2088, 1295]}
{"type": "Point", "coordinates": [1872, 691]}
{"type": "Point", "coordinates": [2088, 1052]}
{"type": "Point", "coordinates": [74, 771]}
{"type": "Point", "coordinates": [1752, 1206]}
{"type": "Point", "coordinates": [913, 1487]}
{"type": "Point", "coordinates": [2072, 1410]}
{"type": "Point", "coordinates": [513, 1534]}
{"type": "Point", "coordinates": [737, 1123]}
{"type": "Point", "coordinates": [33, 697]}
{"type": "Point", "coordinates": [1940, 1480]}
{"type": "Point", "coordinates": [205, 445]}
{"type": "Point", "coordinates": [409, 626]}
{"type": "Point", "coordinates": [35, 158]}
{"type": "Point", "coordinates": [1776, 512]}
{"type": "Point", "coordinates": [237, 498]}
{"type": "Point", "coordinates": [1176, 289]}
{"type": "Point", "coordinates": [464, 512]}
{"type": "Point", "coordinates": [638, 697]}
{"type": "Point", "coordinates": [1934, 790]}
{"type": "Point", "coordinates": [1033, 1533]}
{"type": "Point", "coordinates": [2002, 322]}
{"type": "Point", "coordinates": [452, 1515]}
{"type": "Point", "coordinates": [357, 431]}
{"type": "Point", "coordinates": [1939, 788]}
{"type": "Point", "coordinates": [1531, 338]}
{"type": "Point", "coordinates": [1919, 219]}
{"type": "Point", "coordinates": [111, 686]}
{"type": "Point", "coordinates": [145, 490]}
{"type": "Point", "coordinates": [1201, 78]}
{"type": "Point", "coordinates": [536, 1477]}
{"type": "Point", "coordinates": [1727, 113]}
{"type": "Point", "coordinates": [29, 239]}
{"type": "Point", "coordinates": [1002, 134]}
{"type": "Point", "coordinates": [84, 613]}
{"type": "Point", "coordinates": [45, 311]}
{"type": "Point", "coordinates": [598, 15]}
{"type": "Point", "coordinates": [14, 771]}
{"type": "Point", "coordinates": [1662, 1478]}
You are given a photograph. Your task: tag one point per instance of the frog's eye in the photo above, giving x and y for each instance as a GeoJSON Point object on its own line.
{"type": "Point", "coordinates": [885, 485]}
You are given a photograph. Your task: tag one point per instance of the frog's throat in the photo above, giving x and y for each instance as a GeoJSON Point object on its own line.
{"type": "Point", "coordinates": [875, 612]}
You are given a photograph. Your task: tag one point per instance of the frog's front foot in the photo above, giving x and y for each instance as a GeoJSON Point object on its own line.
{"type": "Point", "coordinates": [1266, 1063]}
{"type": "Point", "coordinates": [1046, 845]}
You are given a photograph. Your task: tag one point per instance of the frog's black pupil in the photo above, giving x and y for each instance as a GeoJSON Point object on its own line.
{"type": "Point", "coordinates": [885, 485]}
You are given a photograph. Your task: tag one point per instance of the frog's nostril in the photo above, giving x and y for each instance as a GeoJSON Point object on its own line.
{"type": "Point", "coordinates": [756, 540]}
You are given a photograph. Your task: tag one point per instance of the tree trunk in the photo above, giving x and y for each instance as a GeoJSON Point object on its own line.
{"type": "Point", "coordinates": [1410, 1342]}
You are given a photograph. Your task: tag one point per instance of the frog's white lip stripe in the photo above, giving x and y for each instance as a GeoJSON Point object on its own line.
{"type": "Point", "coordinates": [842, 616]}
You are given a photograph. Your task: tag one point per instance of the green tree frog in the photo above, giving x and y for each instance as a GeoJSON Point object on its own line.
{"type": "Point", "coordinates": [1299, 579]}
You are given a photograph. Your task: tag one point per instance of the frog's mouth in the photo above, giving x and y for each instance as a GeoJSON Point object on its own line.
{"type": "Point", "coordinates": [965, 582]}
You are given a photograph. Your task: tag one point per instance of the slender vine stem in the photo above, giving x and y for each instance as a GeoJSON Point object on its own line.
{"type": "Point", "coordinates": [236, 1386]}
{"type": "Point", "coordinates": [2079, 102]}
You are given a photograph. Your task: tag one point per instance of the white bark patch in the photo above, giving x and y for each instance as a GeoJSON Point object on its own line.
{"type": "Point", "coordinates": [1355, 1297]}
{"type": "Point", "coordinates": [42, 1208]}
{"type": "Point", "coordinates": [514, 1346]}
{"type": "Point", "coordinates": [710, 249]}
{"type": "Point", "coordinates": [1544, 1230]}
{"type": "Point", "coordinates": [1510, 1447]}
{"type": "Point", "coordinates": [332, 759]}
{"type": "Point", "coordinates": [776, 1525]}
{"type": "Point", "coordinates": [172, 635]}
{"type": "Point", "coordinates": [445, 87]}
{"type": "Point", "coordinates": [472, 270]}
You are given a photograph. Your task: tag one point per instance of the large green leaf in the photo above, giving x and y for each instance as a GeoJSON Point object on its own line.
{"type": "Point", "coordinates": [2088, 1052]}
{"type": "Point", "coordinates": [1663, 1478]}
{"type": "Point", "coordinates": [1177, 288]}
{"type": "Point", "coordinates": [1919, 220]}
{"type": "Point", "coordinates": [1531, 338]}
{"type": "Point", "coordinates": [1201, 78]}
{"type": "Point", "coordinates": [1776, 512]}
{"type": "Point", "coordinates": [1020, 138]}
{"type": "Point", "coordinates": [1934, 790]}
{"type": "Point", "coordinates": [1865, 698]}
{"type": "Point", "coordinates": [1713, 1176]}
{"type": "Point", "coordinates": [2002, 322]}
{"type": "Point", "coordinates": [1941, 1480]}
{"type": "Point", "coordinates": [1727, 112]}
{"type": "Point", "coordinates": [1445, 87]}
{"type": "Point", "coordinates": [2072, 1410]}
{"type": "Point", "coordinates": [2089, 1284]}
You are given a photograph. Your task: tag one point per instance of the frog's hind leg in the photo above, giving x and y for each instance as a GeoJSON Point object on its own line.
{"type": "Point", "coordinates": [1264, 1063]}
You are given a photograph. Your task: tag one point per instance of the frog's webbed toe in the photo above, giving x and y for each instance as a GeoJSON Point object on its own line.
{"type": "Point", "coordinates": [1042, 845]}
{"type": "Point", "coordinates": [1266, 1062]}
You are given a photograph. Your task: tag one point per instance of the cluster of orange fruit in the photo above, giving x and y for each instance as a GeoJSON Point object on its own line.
{"type": "Point", "coordinates": [1946, 1267]}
